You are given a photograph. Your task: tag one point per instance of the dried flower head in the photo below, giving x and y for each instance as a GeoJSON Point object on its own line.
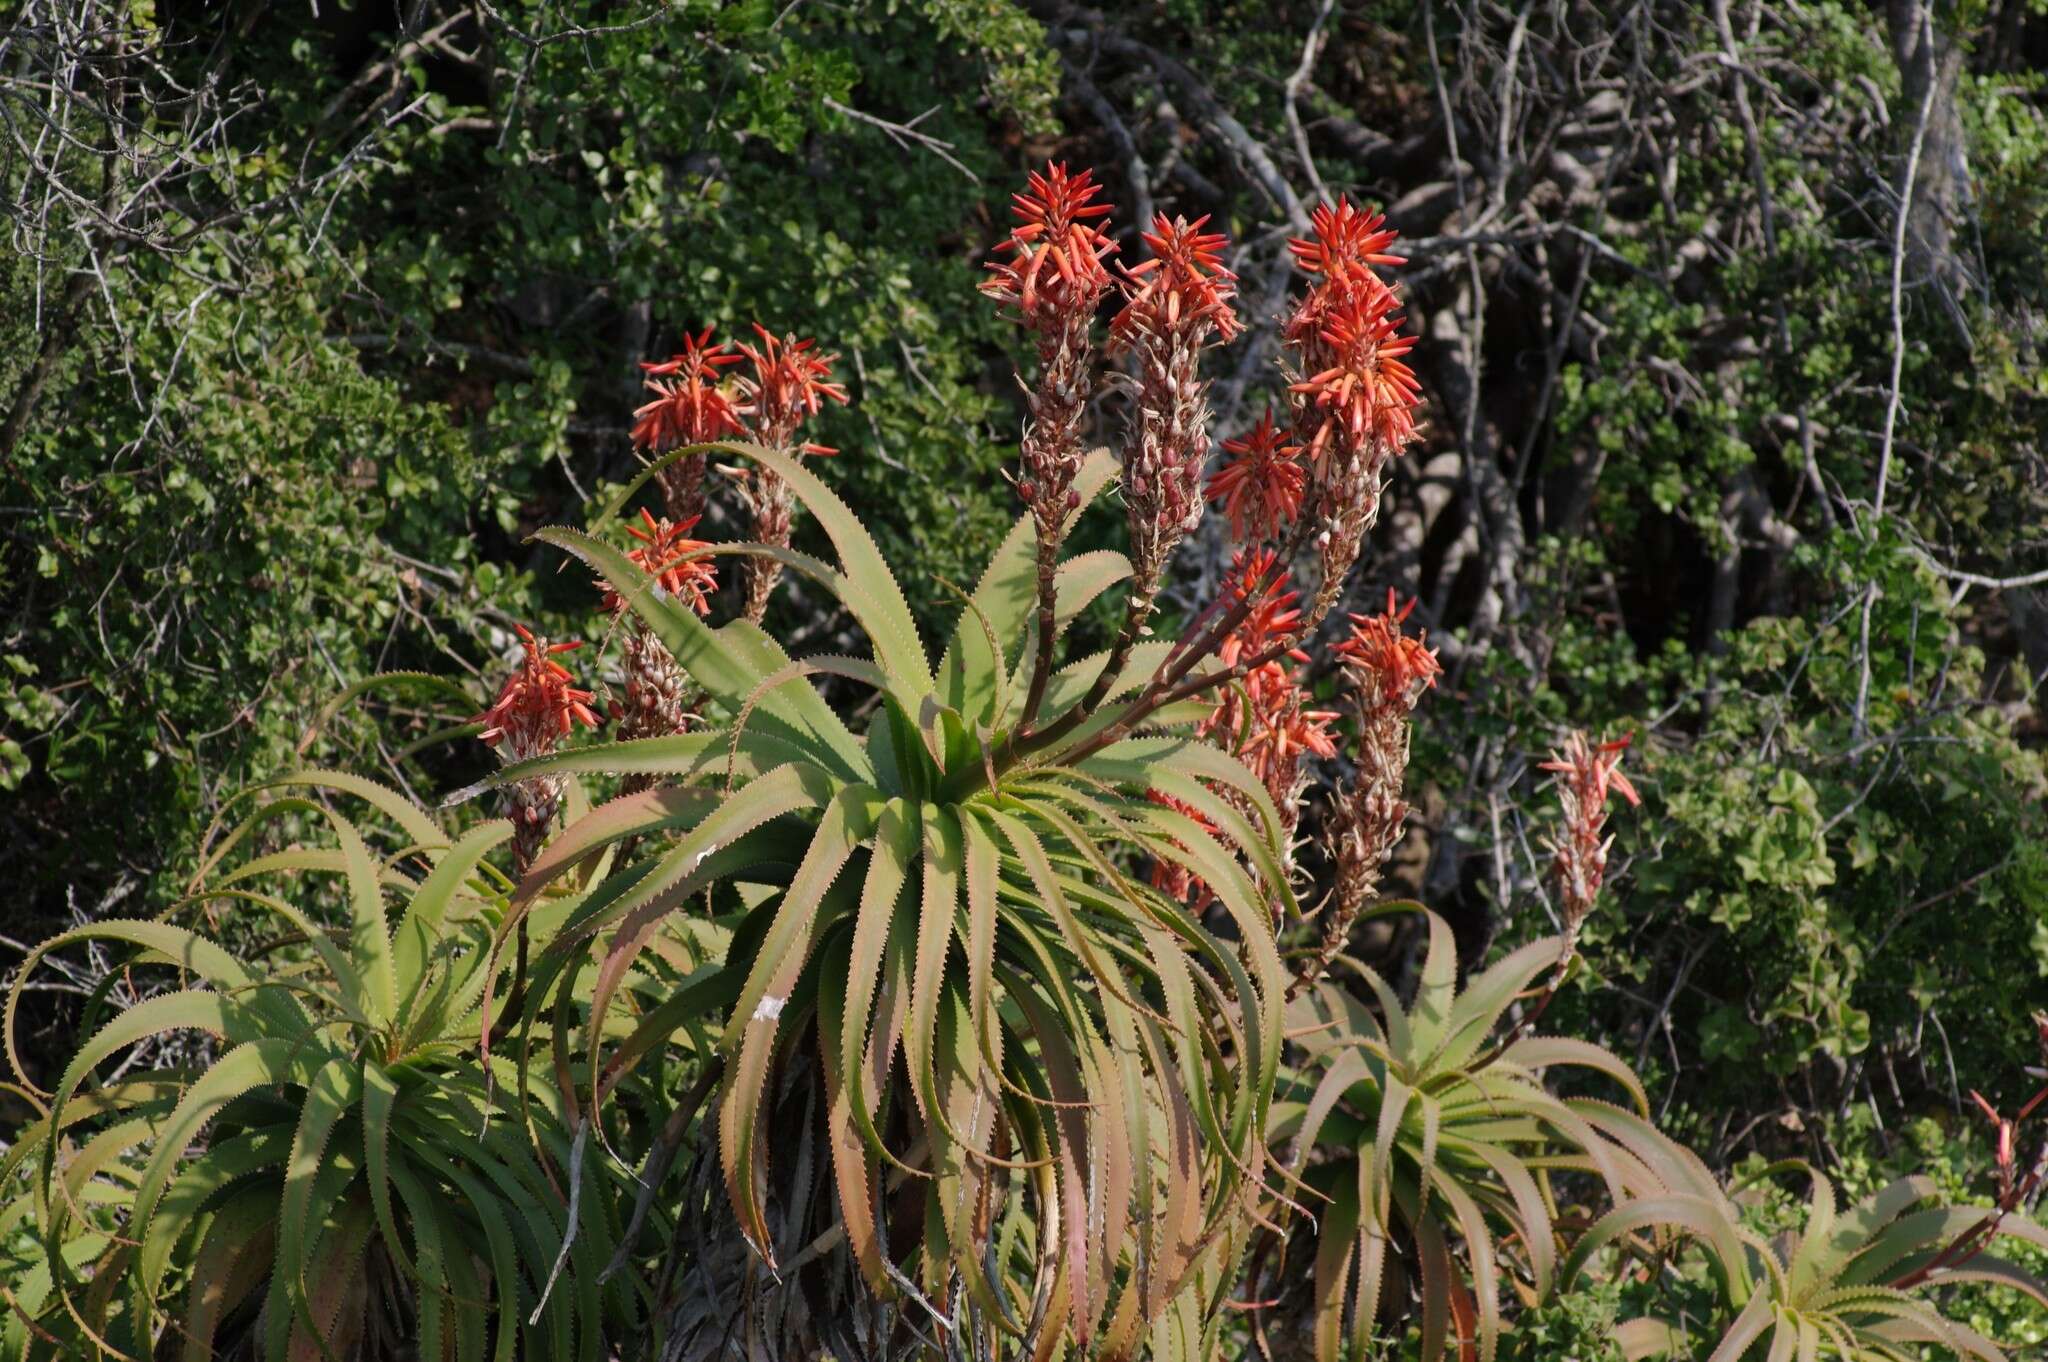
{"type": "Point", "coordinates": [1589, 772]}
{"type": "Point", "coordinates": [671, 557]}
{"type": "Point", "coordinates": [1260, 485]}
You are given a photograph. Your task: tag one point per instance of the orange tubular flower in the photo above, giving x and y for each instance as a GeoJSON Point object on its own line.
{"type": "Point", "coordinates": [1345, 240]}
{"type": "Point", "coordinates": [1283, 732]}
{"type": "Point", "coordinates": [1367, 394]}
{"type": "Point", "coordinates": [1170, 877]}
{"type": "Point", "coordinates": [1364, 822]}
{"type": "Point", "coordinates": [537, 707]}
{"type": "Point", "coordinates": [667, 554]}
{"type": "Point", "coordinates": [1052, 283]}
{"type": "Point", "coordinates": [535, 710]}
{"type": "Point", "coordinates": [1354, 397]}
{"type": "Point", "coordinates": [1182, 287]}
{"type": "Point", "coordinates": [1057, 268]}
{"type": "Point", "coordinates": [788, 385]}
{"type": "Point", "coordinates": [1275, 613]}
{"type": "Point", "coordinates": [1260, 486]}
{"type": "Point", "coordinates": [1176, 305]}
{"type": "Point", "coordinates": [690, 408]}
{"type": "Point", "coordinates": [1392, 669]}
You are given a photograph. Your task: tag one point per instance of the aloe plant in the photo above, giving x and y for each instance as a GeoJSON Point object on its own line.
{"type": "Point", "coordinates": [1851, 1285]}
{"type": "Point", "coordinates": [1418, 1128]}
{"type": "Point", "coordinates": [1087, 1063]}
{"type": "Point", "coordinates": [342, 1178]}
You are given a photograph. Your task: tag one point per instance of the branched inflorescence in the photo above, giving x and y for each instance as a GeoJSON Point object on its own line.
{"type": "Point", "coordinates": [538, 706]}
{"type": "Point", "coordinates": [787, 386]}
{"type": "Point", "coordinates": [1264, 719]}
{"type": "Point", "coordinates": [692, 406]}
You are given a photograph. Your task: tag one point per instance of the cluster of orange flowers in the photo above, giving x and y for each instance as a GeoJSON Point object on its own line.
{"type": "Point", "coordinates": [1052, 283]}
{"type": "Point", "coordinates": [1266, 719]}
{"type": "Point", "coordinates": [673, 559]}
{"type": "Point", "coordinates": [538, 706]}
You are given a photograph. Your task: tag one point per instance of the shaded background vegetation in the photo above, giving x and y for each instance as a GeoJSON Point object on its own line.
{"type": "Point", "coordinates": [312, 314]}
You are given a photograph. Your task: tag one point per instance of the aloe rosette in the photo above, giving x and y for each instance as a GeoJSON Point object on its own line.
{"type": "Point", "coordinates": [340, 1171]}
{"type": "Point", "coordinates": [1086, 1064]}
{"type": "Point", "coordinates": [1419, 1128]}
{"type": "Point", "coordinates": [1852, 1284]}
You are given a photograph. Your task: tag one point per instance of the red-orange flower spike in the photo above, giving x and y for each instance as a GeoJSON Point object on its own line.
{"type": "Point", "coordinates": [690, 408]}
{"type": "Point", "coordinates": [1275, 612]}
{"type": "Point", "coordinates": [1260, 487]}
{"type": "Point", "coordinates": [1181, 286]}
{"type": "Point", "coordinates": [789, 383]}
{"type": "Point", "coordinates": [1058, 268]}
{"type": "Point", "coordinates": [1345, 239]}
{"type": "Point", "coordinates": [1367, 392]}
{"type": "Point", "coordinates": [666, 553]}
{"type": "Point", "coordinates": [538, 705]}
{"type": "Point", "coordinates": [1392, 667]}
{"type": "Point", "coordinates": [1283, 732]}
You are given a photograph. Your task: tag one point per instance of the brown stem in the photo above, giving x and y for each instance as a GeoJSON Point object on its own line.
{"type": "Point", "coordinates": [1972, 1241]}
{"type": "Point", "coordinates": [515, 1000]}
{"type": "Point", "coordinates": [1202, 640]}
{"type": "Point", "coordinates": [1048, 620]}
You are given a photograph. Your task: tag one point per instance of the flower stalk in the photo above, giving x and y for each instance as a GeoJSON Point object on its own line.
{"type": "Point", "coordinates": [1051, 284]}
{"type": "Point", "coordinates": [1388, 671]}
{"type": "Point", "coordinates": [788, 384]}
{"type": "Point", "coordinates": [537, 707]}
